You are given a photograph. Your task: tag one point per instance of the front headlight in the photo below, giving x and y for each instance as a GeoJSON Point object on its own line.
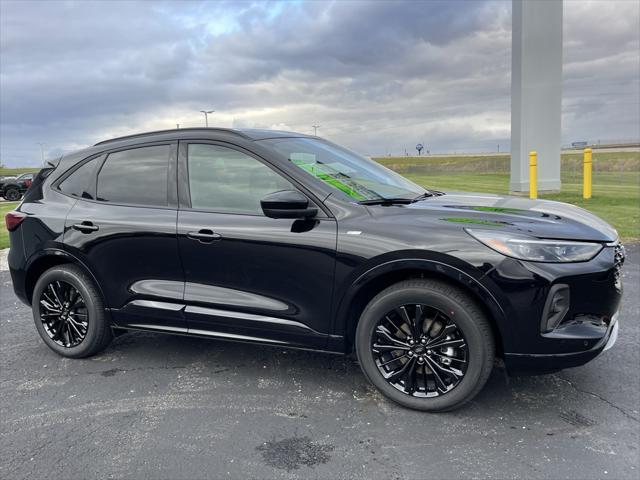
{"type": "Point", "coordinates": [535, 249]}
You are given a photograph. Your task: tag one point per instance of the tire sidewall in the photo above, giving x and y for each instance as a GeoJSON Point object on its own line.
{"type": "Point", "coordinates": [478, 351]}
{"type": "Point", "coordinates": [95, 311]}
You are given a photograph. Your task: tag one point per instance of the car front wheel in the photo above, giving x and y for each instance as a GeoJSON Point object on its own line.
{"type": "Point", "coordinates": [425, 345]}
{"type": "Point", "coordinates": [12, 194]}
{"type": "Point", "coordinates": [69, 313]}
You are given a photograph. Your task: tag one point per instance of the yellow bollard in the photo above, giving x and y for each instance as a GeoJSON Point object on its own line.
{"type": "Point", "coordinates": [533, 174]}
{"type": "Point", "coordinates": [588, 164]}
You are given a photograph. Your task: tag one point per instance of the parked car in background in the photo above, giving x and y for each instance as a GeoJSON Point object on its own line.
{"type": "Point", "coordinates": [13, 188]}
{"type": "Point", "coordinates": [27, 178]}
{"type": "Point", "coordinates": [289, 240]}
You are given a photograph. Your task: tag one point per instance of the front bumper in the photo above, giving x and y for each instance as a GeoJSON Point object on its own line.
{"type": "Point", "coordinates": [519, 363]}
{"type": "Point", "coordinates": [583, 331]}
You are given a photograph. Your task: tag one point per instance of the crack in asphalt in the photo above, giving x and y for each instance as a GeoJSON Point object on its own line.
{"type": "Point", "coordinates": [599, 397]}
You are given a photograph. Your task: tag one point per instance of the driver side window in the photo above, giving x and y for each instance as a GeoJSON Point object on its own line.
{"type": "Point", "coordinates": [228, 181]}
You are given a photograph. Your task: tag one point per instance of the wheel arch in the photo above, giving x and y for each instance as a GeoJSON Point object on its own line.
{"type": "Point", "coordinates": [376, 279]}
{"type": "Point", "coordinates": [48, 258]}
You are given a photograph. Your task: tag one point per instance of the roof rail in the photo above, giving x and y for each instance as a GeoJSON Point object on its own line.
{"type": "Point", "coordinates": [159, 132]}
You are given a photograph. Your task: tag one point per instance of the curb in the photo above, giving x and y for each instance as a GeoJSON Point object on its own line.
{"type": "Point", "coordinates": [4, 266]}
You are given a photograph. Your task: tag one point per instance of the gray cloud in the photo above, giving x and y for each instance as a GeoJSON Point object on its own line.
{"type": "Point", "coordinates": [378, 76]}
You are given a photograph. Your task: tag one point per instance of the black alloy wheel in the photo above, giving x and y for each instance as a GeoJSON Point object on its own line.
{"type": "Point", "coordinates": [419, 350]}
{"type": "Point", "coordinates": [64, 314]}
{"type": "Point", "coordinates": [425, 344]}
{"type": "Point", "coordinates": [69, 313]}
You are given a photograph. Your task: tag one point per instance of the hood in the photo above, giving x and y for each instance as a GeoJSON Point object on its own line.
{"type": "Point", "coordinates": [539, 218]}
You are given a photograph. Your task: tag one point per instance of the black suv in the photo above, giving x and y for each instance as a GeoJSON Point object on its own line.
{"type": "Point", "coordinates": [290, 240]}
{"type": "Point", "coordinates": [12, 188]}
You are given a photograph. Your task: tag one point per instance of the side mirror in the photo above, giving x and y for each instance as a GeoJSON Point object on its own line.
{"type": "Point", "coordinates": [287, 204]}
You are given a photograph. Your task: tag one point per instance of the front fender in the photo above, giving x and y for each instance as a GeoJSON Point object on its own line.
{"type": "Point", "coordinates": [432, 264]}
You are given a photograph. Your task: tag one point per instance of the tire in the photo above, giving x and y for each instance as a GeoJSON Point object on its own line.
{"type": "Point", "coordinates": [86, 313]}
{"type": "Point", "coordinates": [442, 314]}
{"type": "Point", "coordinates": [12, 194]}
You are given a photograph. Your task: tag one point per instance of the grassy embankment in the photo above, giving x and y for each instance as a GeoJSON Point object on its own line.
{"type": "Point", "coordinates": [14, 172]}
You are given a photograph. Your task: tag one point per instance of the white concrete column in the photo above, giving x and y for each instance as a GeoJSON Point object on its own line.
{"type": "Point", "coordinates": [536, 91]}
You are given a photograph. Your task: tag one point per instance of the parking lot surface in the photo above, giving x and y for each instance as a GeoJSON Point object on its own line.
{"type": "Point", "coordinates": [159, 406]}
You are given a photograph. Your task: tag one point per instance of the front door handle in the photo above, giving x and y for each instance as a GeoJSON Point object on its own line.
{"type": "Point", "coordinates": [204, 236]}
{"type": "Point", "coordinates": [85, 227]}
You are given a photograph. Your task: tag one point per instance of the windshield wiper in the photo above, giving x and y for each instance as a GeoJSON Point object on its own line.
{"type": "Point", "coordinates": [426, 194]}
{"type": "Point", "coordinates": [397, 201]}
{"type": "Point", "coordinates": [387, 201]}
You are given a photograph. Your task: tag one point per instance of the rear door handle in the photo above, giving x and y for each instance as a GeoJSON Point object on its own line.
{"type": "Point", "coordinates": [204, 236]}
{"type": "Point", "coordinates": [85, 227]}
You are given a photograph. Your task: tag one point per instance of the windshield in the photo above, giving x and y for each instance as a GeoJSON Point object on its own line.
{"type": "Point", "coordinates": [360, 178]}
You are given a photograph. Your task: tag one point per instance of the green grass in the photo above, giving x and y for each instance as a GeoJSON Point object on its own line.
{"type": "Point", "coordinates": [500, 163]}
{"type": "Point", "coordinates": [14, 172]}
{"type": "Point", "coordinates": [616, 181]}
{"type": "Point", "coordinates": [4, 234]}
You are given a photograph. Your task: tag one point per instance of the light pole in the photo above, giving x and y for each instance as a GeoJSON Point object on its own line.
{"type": "Point", "coordinates": [41, 151]}
{"type": "Point", "coordinates": [206, 116]}
{"type": "Point", "coordinates": [315, 130]}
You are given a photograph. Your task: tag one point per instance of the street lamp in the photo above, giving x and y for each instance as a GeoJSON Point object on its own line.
{"type": "Point", "coordinates": [206, 116]}
{"type": "Point", "coordinates": [42, 151]}
{"type": "Point", "coordinates": [315, 130]}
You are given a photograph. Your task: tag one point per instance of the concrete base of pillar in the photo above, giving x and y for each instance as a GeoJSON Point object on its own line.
{"type": "Point", "coordinates": [548, 186]}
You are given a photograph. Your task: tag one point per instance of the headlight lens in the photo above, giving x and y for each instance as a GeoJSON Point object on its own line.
{"type": "Point", "coordinates": [534, 249]}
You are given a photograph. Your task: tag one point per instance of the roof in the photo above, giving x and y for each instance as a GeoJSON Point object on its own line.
{"type": "Point", "coordinates": [249, 133]}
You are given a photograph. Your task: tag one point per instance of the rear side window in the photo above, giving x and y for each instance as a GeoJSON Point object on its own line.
{"type": "Point", "coordinates": [137, 176]}
{"type": "Point", "coordinates": [78, 183]}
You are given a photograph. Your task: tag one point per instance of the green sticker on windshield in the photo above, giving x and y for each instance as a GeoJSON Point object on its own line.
{"type": "Point", "coordinates": [331, 177]}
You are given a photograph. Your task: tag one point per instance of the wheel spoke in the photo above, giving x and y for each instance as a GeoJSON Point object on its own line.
{"type": "Point", "coordinates": [409, 382]}
{"type": "Point", "coordinates": [449, 329]}
{"type": "Point", "coordinates": [401, 371]}
{"type": "Point", "coordinates": [389, 337]}
{"type": "Point", "coordinates": [443, 369]}
{"type": "Point", "coordinates": [55, 294]}
{"type": "Point", "coordinates": [456, 343]}
{"type": "Point", "coordinates": [447, 357]}
{"type": "Point", "coordinates": [394, 359]}
{"type": "Point", "coordinates": [379, 348]}
{"type": "Point", "coordinates": [76, 332]}
{"type": "Point", "coordinates": [440, 385]}
{"type": "Point", "coordinates": [404, 315]}
{"type": "Point", "coordinates": [393, 324]}
{"type": "Point", "coordinates": [46, 304]}
{"type": "Point", "coordinates": [418, 320]}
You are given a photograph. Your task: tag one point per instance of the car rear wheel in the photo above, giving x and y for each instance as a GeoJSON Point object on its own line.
{"type": "Point", "coordinates": [12, 194]}
{"type": "Point", "coordinates": [69, 313]}
{"type": "Point", "coordinates": [425, 345]}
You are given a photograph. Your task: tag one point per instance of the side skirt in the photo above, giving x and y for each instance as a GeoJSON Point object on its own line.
{"type": "Point", "coordinates": [224, 337]}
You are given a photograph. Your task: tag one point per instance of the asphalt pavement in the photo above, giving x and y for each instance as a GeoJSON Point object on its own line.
{"type": "Point", "coordinates": [160, 406]}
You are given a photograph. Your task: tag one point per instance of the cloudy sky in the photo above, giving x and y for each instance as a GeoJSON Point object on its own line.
{"type": "Point", "coordinates": [376, 76]}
